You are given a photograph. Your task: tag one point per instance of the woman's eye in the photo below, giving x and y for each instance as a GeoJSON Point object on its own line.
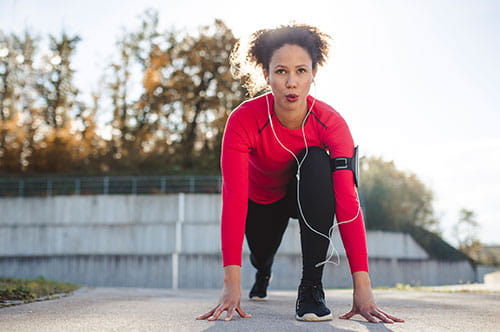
{"type": "Point", "coordinates": [302, 70]}
{"type": "Point", "coordinates": [280, 71]}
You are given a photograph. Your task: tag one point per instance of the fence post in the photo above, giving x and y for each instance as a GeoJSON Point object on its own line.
{"type": "Point", "coordinates": [21, 188]}
{"type": "Point", "coordinates": [192, 184]}
{"type": "Point", "coordinates": [49, 187]}
{"type": "Point", "coordinates": [106, 185]}
{"type": "Point", "coordinates": [163, 184]}
{"type": "Point", "coordinates": [134, 186]}
{"type": "Point", "coordinates": [77, 186]}
{"type": "Point", "coordinates": [178, 242]}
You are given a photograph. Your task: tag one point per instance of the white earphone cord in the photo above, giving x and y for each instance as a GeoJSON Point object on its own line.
{"type": "Point", "coordinates": [331, 247]}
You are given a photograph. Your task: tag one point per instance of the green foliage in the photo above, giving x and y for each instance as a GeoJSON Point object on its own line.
{"type": "Point", "coordinates": [188, 91]}
{"type": "Point", "coordinates": [40, 121]}
{"type": "Point", "coordinates": [488, 255]}
{"type": "Point", "coordinates": [29, 289]}
{"type": "Point", "coordinates": [392, 198]}
{"type": "Point", "coordinates": [170, 93]}
{"type": "Point", "coordinates": [466, 233]}
{"type": "Point", "coordinates": [403, 287]}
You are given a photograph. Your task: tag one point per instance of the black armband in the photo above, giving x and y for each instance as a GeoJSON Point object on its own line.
{"type": "Point", "coordinates": [352, 164]}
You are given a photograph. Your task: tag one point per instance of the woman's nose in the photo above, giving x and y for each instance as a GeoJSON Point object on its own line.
{"type": "Point", "coordinates": [291, 81]}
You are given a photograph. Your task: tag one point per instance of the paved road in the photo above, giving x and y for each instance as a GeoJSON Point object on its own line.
{"type": "Point", "coordinates": [134, 309]}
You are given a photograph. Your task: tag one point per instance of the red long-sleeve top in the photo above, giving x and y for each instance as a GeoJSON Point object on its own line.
{"type": "Point", "coordinates": [254, 166]}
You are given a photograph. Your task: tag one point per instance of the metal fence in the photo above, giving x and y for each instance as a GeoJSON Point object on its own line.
{"type": "Point", "coordinates": [108, 185]}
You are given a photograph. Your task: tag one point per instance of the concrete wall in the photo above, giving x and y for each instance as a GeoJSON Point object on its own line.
{"type": "Point", "coordinates": [482, 271]}
{"type": "Point", "coordinates": [492, 278]}
{"type": "Point", "coordinates": [173, 241]}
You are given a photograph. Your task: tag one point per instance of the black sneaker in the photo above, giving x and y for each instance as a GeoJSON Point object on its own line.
{"type": "Point", "coordinates": [259, 289]}
{"type": "Point", "coordinates": [311, 305]}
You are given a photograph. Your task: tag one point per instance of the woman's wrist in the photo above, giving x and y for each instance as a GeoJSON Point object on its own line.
{"type": "Point", "coordinates": [232, 275]}
{"type": "Point", "coordinates": [361, 280]}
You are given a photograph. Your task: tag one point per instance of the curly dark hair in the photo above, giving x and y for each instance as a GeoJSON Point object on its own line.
{"type": "Point", "coordinates": [248, 61]}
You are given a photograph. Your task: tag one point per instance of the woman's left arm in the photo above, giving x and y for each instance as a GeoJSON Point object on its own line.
{"type": "Point", "coordinates": [363, 302]}
{"type": "Point", "coordinates": [351, 225]}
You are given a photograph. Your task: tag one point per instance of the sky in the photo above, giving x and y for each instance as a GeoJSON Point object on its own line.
{"type": "Point", "coordinates": [417, 81]}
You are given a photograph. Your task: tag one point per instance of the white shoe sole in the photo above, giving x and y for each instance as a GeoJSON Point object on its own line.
{"type": "Point", "coordinates": [313, 317]}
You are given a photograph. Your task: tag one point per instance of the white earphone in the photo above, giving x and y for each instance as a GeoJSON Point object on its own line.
{"type": "Point", "coordinates": [331, 247]}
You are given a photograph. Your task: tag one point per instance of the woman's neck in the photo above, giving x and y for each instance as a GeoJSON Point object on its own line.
{"type": "Point", "coordinates": [291, 119]}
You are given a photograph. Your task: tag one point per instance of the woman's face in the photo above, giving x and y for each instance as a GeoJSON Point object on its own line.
{"type": "Point", "coordinates": [290, 76]}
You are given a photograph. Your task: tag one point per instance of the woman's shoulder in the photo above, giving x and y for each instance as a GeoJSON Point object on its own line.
{"type": "Point", "coordinates": [325, 112]}
{"type": "Point", "coordinates": [250, 109]}
{"type": "Point", "coordinates": [254, 104]}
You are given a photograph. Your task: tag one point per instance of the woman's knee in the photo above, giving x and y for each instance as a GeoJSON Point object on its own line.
{"type": "Point", "coordinates": [317, 159]}
{"type": "Point", "coordinates": [315, 153]}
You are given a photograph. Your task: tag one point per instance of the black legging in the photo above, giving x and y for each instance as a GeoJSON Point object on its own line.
{"type": "Point", "coordinates": [266, 223]}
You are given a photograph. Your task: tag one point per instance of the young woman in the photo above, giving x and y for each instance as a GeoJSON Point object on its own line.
{"type": "Point", "coordinates": [286, 154]}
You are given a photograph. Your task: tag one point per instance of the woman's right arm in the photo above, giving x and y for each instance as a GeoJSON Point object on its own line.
{"type": "Point", "coordinates": [234, 165]}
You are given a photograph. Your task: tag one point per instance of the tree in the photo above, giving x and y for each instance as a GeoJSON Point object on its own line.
{"type": "Point", "coordinates": [392, 198]}
{"type": "Point", "coordinates": [58, 99]}
{"type": "Point", "coordinates": [43, 126]}
{"type": "Point", "coordinates": [170, 94]}
{"type": "Point", "coordinates": [214, 92]}
{"type": "Point", "coordinates": [10, 58]}
{"type": "Point", "coordinates": [17, 99]}
{"type": "Point", "coordinates": [466, 233]}
{"type": "Point", "coordinates": [187, 93]}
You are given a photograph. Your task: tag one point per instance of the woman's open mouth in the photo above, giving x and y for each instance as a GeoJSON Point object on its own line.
{"type": "Point", "coordinates": [292, 97]}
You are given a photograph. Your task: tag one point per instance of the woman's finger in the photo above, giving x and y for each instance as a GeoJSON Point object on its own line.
{"type": "Point", "coordinates": [381, 315]}
{"type": "Point", "coordinates": [242, 313]}
{"type": "Point", "coordinates": [399, 320]}
{"type": "Point", "coordinates": [217, 313]}
{"type": "Point", "coordinates": [229, 314]}
{"type": "Point", "coordinates": [208, 314]}
{"type": "Point", "coordinates": [369, 317]}
{"type": "Point", "coordinates": [348, 315]}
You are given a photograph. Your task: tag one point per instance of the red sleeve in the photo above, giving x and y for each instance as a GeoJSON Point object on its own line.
{"type": "Point", "coordinates": [234, 166]}
{"type": "Point", "coordinates": [353, 233]}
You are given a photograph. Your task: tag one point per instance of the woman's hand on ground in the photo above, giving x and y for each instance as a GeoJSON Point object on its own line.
{"type": "Point", "coordinates": [231, 296]}
{"type": "Point", "coordinates": [230, 302]}
{"type": "Point", "coordinates": [364, 303]}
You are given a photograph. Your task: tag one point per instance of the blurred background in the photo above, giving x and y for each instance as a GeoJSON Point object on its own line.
{"type": "Point", "coordinates": [131, 98]}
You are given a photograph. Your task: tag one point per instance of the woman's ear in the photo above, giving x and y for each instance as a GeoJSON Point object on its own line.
{"type": "Point", "coordinates": [266, 75]}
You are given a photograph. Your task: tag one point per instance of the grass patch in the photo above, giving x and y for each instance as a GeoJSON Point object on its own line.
{"type": "Point", "coordinates": [28, 290]}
